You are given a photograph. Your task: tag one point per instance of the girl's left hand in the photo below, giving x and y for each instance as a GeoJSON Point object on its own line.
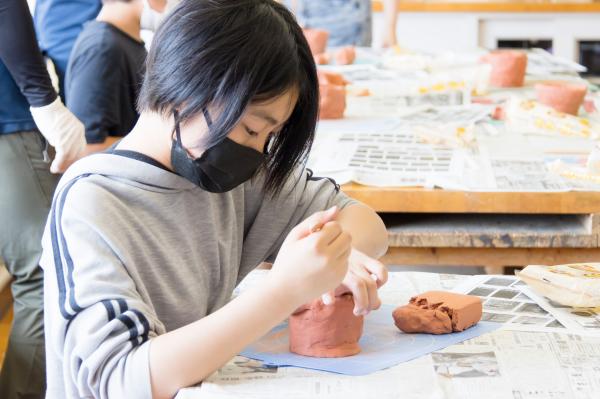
{"type": "Point", "coordinates": [365, 275]}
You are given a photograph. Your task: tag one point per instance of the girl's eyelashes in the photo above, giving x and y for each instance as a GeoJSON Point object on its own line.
{"type": "Point", "coordinates": [251, 132]}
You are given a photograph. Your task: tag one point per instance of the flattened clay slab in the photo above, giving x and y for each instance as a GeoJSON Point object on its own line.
{"type": "Point", "coordinates": [320, 330]}
{"type": "Point", "coordinates": [562, 96]}
{"type": "Point", "coordinates": [508, 67]}
{"type": "Point", "coordinates": [438, 312]}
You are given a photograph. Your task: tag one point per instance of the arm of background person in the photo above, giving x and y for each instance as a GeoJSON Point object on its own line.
{"type": "Point", "coordinates": [20, 53]}
{"type": "Point", "coordinates": [390, 10]}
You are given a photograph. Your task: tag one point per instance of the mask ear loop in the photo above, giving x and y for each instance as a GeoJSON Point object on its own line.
{"type": "Point", "coordinates": [178, 134]}
{"type": "Point", "coordinates": [177, 131]}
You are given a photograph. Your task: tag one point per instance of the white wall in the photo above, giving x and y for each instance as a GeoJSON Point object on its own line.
{"type": "Point", "coordinates": [467, 31]}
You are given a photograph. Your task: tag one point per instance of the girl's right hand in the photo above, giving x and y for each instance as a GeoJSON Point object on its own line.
{"type": "Point", "coordinates": [311, 262]}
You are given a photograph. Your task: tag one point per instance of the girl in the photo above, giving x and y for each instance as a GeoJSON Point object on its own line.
{"type": "Point", "coordinates": [145, 244]}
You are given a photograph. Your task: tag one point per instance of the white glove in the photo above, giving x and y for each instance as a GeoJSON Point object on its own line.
{"type": "Point", "coordinates": [63, 131]}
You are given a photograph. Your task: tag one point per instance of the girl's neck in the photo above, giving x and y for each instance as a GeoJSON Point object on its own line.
{"type": "Point", "coordinates": [149, 137]}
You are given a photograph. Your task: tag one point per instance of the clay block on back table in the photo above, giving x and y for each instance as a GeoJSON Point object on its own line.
{"type": "Point", "coordinates": [332, 103]}
{"type": "Point", "coordinates": [320, 330]}
{"type": "Point", "coordinates": [317, 40]}
{"type": "Point", "coordinates": [508, 67]}
{"type": "Point", "coordinates": [438, 312]}
{"type": "Point", "coordinates": [332, 93]}
{"type": "Point", "coordinates": [562, 96]}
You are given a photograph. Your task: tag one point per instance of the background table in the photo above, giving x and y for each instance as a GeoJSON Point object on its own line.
{"type": "Point", "coordinates": [491, 229]}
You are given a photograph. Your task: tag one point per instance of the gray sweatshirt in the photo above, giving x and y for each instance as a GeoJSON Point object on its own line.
{"type": "Point", "coordinates": [132, 251]}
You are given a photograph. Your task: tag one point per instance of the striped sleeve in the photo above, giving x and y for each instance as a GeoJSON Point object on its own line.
{"type": "Point", "coordinates": [97, 325]}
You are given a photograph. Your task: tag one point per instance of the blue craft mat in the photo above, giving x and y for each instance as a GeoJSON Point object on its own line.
{"type": "Point", "coordinates": [383, 346]}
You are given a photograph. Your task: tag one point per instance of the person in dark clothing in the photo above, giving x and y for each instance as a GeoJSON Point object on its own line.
{"type": "Point", "coordinates": [28, 106]}
{"type": "Point", "coordinates": [105, 71]}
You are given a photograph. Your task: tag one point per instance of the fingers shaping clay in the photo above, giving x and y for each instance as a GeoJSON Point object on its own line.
{"type": "Point", "coordinates": [320, 330]}
{"type": "Point", "coordinates": [438, 312]}
{"type": "Point", "coordinates": [562, 96]}
{"type": "Point", "coordinates": [317, 40]}
{"type": "Point", "coordinates": [508, 67]}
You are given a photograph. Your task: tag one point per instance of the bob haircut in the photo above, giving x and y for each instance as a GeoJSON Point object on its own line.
{"type": "Point", "coordinates": [229, 54]}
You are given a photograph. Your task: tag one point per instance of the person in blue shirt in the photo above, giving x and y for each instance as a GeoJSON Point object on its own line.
{"type": "Point", "coordinates": [28, 106]}
{"type": "Point", "coordinates": [349, 22]}
{"type": "Point", "coordinates": [57, 24]}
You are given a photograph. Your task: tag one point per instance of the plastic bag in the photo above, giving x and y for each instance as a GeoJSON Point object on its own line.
{"type": "Point", "coordinates": [576, 284]}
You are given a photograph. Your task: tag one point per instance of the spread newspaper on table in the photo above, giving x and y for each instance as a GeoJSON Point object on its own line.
{"type": "Point", "coordinates": [425, 147]}
{"type": "Point", "coordinates": [504, 364]}
{"type": "Point", "coordinates": [449, 148]}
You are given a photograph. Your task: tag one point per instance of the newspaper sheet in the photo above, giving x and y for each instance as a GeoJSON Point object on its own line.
{"type": "Point", "coordinates": [512, 175]}
{"type": "Point", "coordinates": [504, 301]}
{"type": "Point", "coordinates": [535, 163]}
{"type": "Point", "coordinates": [426, 147]}
{"type": "Point", "coordinates": [450, 148]}
{"type": "Point", "coordinates": [521, 365]}
{"type": "Point", "coordinates": [378, 103]}
{"type": "Point", "coordinates": [542, 63]}
{"type": "Point", "coordinates": [579, 320]}
{"type": "Point", "coordinates": [248, 379]}
{"type": "Point", "coordinates": [386, 158]}
{"type": "Point", "coordinates": [500, 365]}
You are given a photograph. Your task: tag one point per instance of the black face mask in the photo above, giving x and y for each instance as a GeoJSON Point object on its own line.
{"type": "Point", "coordinates": [220, 168]}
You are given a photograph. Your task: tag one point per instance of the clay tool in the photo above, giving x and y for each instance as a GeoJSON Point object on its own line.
{"type": "Point", "coordinates": [327, 298]}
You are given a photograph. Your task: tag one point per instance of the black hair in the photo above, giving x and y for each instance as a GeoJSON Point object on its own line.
{"type": "Point", "coordinates": [228, 54]}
